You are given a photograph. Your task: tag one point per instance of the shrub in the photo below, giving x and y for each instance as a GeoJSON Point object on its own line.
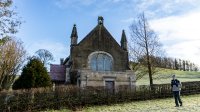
{"type": "Point", "coordinates": [33, 75]}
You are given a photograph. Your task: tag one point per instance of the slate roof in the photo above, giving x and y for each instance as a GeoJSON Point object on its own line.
{"type": "Point", "coordinates": [57, 72]}
{"type": "Point", "coordinates": [101, 30]}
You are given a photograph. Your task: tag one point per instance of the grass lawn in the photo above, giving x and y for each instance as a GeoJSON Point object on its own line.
{"type": "Point", "coordinates": [190, 104]}
{"type": "Point", "coordinates": [165, 76]}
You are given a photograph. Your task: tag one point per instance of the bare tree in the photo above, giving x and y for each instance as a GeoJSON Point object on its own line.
{"type": "Point", "coordinates": [144, 44]}
{"type": "Point", "coordinates": [3, 40]}
{"type": "Point", "coordinates": [12, 56]}
{"type": "Point", "coordinates": [44, 55]}
{"type": "Point", "coordinates": [9, 20]}
{"type": "Point", "coordinates": [12, 53]}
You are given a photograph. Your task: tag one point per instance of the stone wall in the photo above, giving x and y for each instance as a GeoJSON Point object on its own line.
{"type": "Point", "coordinates": [99, 39]}
{"type": "Point", "coordinates": [93, 78]}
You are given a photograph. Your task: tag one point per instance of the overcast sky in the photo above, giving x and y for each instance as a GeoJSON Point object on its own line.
{"type": "Point", "coordinates": [48, 23]}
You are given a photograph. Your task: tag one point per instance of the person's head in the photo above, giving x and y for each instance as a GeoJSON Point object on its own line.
{"type": "Point", "coordinates": [173, 76]}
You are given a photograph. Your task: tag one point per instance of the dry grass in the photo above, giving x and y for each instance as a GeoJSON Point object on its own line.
{"type": "Point", "coordinates": [191, 104]}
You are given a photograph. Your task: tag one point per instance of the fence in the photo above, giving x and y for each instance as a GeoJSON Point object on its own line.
{"type": "Point", "coordinates": [75, 98]}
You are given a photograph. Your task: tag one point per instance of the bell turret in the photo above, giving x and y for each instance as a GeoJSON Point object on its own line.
{"type": "Point", "coordinates": [100, 20]}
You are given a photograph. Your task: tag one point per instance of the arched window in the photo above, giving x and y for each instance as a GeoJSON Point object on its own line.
{"type": "Point", "coordinates": [100, 61]}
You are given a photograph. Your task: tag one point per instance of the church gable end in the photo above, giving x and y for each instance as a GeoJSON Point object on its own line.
{"type": "Point", "coordinates": [97, 60]}
{"type": "Point", "coordinates": [99, 39]}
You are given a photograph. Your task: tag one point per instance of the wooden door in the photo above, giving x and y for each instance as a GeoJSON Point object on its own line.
{"type": "Point", "coordinates": [110, 85]}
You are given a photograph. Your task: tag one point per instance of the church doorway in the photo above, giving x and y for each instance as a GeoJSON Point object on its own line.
{"type": "Point", "coordinates": [110, 85]}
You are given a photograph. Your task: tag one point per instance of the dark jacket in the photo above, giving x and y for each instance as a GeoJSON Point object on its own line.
{"type": "Point", "coordinates": [176, 85]}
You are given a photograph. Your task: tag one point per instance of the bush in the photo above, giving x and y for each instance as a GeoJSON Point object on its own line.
{"type": "Point", "coordinates": [34, 75]}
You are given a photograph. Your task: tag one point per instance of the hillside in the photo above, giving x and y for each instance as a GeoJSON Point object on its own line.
{"type": "Point", "coordinates": [165, 76]}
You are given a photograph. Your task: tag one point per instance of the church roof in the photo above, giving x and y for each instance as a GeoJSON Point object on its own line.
{"type": "Point", "coordinates": [57, 72]}
{"type": "Point", "coordinates": [101, 31]}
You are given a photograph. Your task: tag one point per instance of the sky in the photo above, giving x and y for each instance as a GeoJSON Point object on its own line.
{"type": "Point", "coordinates": [47, 24]}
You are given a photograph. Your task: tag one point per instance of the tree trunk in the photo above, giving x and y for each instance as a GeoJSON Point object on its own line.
{"type": "Point", "coordinates": [149, 66]}
{"type": "Point", "coordinates": [147, 51]}
{"type": "Point", "coordinates": [150, 71]}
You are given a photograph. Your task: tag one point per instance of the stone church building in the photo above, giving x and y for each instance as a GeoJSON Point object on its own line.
{"type": "Point", "coordinates": [97, 60]}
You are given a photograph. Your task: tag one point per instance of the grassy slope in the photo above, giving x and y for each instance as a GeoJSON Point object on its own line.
{"type": "Point", "coordinates": [190, 104]}
{"type": "Point", "coordinates": [165, 76]}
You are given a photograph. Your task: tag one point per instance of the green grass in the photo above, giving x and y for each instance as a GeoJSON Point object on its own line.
{"type": "Point", "coordinates": [190, 104]}
{"type": "Point", "coordinates": [165, 76]}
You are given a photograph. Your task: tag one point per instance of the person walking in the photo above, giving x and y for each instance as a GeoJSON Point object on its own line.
{"type": "Point", "coordinates": [176, 88]}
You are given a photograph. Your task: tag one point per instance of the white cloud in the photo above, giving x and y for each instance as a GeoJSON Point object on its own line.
{"type": "Point", "coordinates": [163, 8]}
{"type": "Point", "coordinates": [179, 27]}
{"type": "Point", "coordinates": [155, 9]}
{"type": "Point", "coordinates": [180, 35]}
